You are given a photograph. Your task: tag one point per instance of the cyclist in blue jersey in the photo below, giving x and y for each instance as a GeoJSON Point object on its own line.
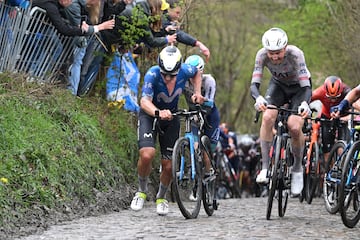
{"type": "Point", "coordinates": [208, 90]}
{"type": "Point", "coordinates": [163, 85]}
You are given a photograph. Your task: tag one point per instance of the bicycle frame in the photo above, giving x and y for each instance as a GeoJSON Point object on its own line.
{"type": "Point", "coordinates": [314, 139]}
{"type": "Point", "coordinates": [354, 130]}
{"type": "Point", "coordinates": [337, 162]}
{"type": "Point", "coordinates": [191, 138]}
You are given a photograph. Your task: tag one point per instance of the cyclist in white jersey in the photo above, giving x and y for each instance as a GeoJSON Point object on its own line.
{"type": "Point", "coordinates": [290, 83]}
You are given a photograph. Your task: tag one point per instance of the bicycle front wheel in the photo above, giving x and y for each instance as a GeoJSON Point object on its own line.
{"type": "Point", "coordinates": [349, 191]}
{"type": "Point", "coordinates": [312, 176]}
{"type": "Point", "coordinates": [284, 183]}
{"type": "Point", "coordinates": [273, 168]}
{"type": "Point", "coordinates": [187, 188]}
{"type": "Point", "coordinates": [332, 178]}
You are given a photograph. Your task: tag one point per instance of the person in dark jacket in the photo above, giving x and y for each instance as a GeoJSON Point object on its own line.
{"type": "Point", "coordinates": [89, 10]}
{"type": "Point", "coordinates": [148, 32]}
{"type": "Point", "coordinates": [55, 11]}
{"type": "Point", "coordinates": [170, 22]}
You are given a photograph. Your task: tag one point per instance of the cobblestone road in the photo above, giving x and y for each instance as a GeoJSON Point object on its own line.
{"type": "Point", "coordinates": [236, 219]}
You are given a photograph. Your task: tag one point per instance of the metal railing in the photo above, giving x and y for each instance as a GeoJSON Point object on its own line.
{"type": "Point", "coordinates": [30, 44]}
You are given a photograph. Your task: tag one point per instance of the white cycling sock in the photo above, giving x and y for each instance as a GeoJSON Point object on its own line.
{"type": "Point", "coordinates": [265, 149]}
{"type": "Point", "coordinates": [298, 156]}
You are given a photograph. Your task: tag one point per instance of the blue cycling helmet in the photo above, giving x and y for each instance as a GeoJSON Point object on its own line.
{"type": "Point", "coordinates": [195, 61]}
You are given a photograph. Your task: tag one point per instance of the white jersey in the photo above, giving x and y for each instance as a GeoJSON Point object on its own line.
{"type": "Point", "coordinates": [291, 71]}
{"type": "Point", "coordinates": [208, 88]}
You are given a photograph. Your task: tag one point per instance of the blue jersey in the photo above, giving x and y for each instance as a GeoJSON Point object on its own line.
{"type": "Point", "coordinates": [155, 88]}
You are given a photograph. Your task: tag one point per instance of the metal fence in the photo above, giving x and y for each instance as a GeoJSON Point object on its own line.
{"type": "Point", "coordinates": [30, 44]}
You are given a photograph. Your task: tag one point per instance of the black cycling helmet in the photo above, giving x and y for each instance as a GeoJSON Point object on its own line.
{"type": "Point", "coordinates": [169, 60]}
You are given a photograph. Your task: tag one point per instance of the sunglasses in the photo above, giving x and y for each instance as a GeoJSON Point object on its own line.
{"type": "Point", "coordinates": [170, 75]}
{"type": "Point", "coordinates": [332, 97]}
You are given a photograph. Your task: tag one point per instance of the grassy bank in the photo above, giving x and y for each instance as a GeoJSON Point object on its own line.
{"type": "Point", "coordinates": [59, 154]}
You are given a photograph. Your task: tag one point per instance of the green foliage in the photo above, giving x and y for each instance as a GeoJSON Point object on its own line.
{"type": "Point", "coordinates": [56, 148]}
{"type": "Point", "coordinates": [311, 30]}
{"type": "Point", "coordinates": [133, 27]}
{"type": "Point", "coordinates": [233, 30]}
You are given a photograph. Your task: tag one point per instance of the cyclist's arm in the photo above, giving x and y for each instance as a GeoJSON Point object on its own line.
{"type": "Point", "coordinates": [353, 95]}
{"type": "Point", "coordinates": [257, 73]}
{"type": "Point", "coordinates": [306, 94]}
{"type": "Point", "coordinates": [197, 97]}
{"type": "Point", "coordinates": [255, 90]}
{"type": "Point", "coordinates": [148, 106]}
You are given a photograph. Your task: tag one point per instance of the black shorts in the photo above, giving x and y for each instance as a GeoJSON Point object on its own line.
{"type": "Point", "coordinates": [328, 134]}
{"type": "Point", "coordinates": [147, 137]}
{"type": "Point", "coordinates": [279, 94]}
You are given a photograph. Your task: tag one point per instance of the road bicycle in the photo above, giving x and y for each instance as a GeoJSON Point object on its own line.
{"type": "Point", "coordinates": [333, 170]}
{"type": "Point", "coordinates": [349, 189]}
{"type": "Point", "coordinates": [190, 185]}
{"type": "Point", "coordinates": [281, 159]}
{"type": "Point", "coordinates": [227, 177]}
{"type": "Point", "coordinates": [313, 160]}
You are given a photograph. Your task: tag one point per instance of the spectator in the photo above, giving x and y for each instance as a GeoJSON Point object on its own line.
{"type": "Point", "coordinates": [90, 11]}
{"type": "Point", "coordinates": [55, 11]}
{"type": "Point", "coordinates": [170, 21]}
{"type": "Point", "coordinates": [148, 9]}
{"type": "Point", "coordinates": [67, 23]}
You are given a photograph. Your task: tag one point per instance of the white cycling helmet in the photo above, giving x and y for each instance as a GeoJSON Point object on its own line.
{"type": "Point", "coordinates": [195, 61]}
{"type": "Point", "coordinates": [170, 60]}
{"type": "Point", "coordinates": [274, 39]}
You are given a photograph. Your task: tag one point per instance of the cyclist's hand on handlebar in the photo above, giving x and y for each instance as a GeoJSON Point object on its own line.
{"type": "Point", "coordinates": [304, 109]}
{"type": "Point", "coordinates": [198, 98]}
{"type": "Point", "coordinates": [337, 111]}
{"type": "Point", "coordinates": [165, 114]}
{"type": "Point", "coordinates": [260, 104]}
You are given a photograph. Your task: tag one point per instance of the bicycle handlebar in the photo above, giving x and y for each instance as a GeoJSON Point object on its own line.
{"type": "Point", "coordinates": [200, 111]}
{"type": "Point", "coordinates": [273, 107]}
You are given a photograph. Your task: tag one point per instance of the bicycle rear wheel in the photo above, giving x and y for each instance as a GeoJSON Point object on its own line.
{"type": "Point", "coordinates": [187, 189]}
{"type": "Point", "coordinates": [349, 190]}
{"type": "Point", "coordinates": [331, 178]}
{"type": "Point", "coordinates": [273, 168]}
{"type": "Point", "coordinates": [312, 177]}
{"type": "Point", "coordinates": [209, 185]}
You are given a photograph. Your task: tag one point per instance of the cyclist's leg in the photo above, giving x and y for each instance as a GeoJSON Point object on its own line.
{"type": "Point", "coordinates": [274, 96]}
{"type": "Point", "coordinates": [146, 154]}
{"type": "Point", "coordinates": [167, 141]}
{"type": "Point", "coordinates": [213, 118]}
{"type": "Point", "coordinates": [295, 125]}
{"type": "Point", "coordinates": [328, 139]}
